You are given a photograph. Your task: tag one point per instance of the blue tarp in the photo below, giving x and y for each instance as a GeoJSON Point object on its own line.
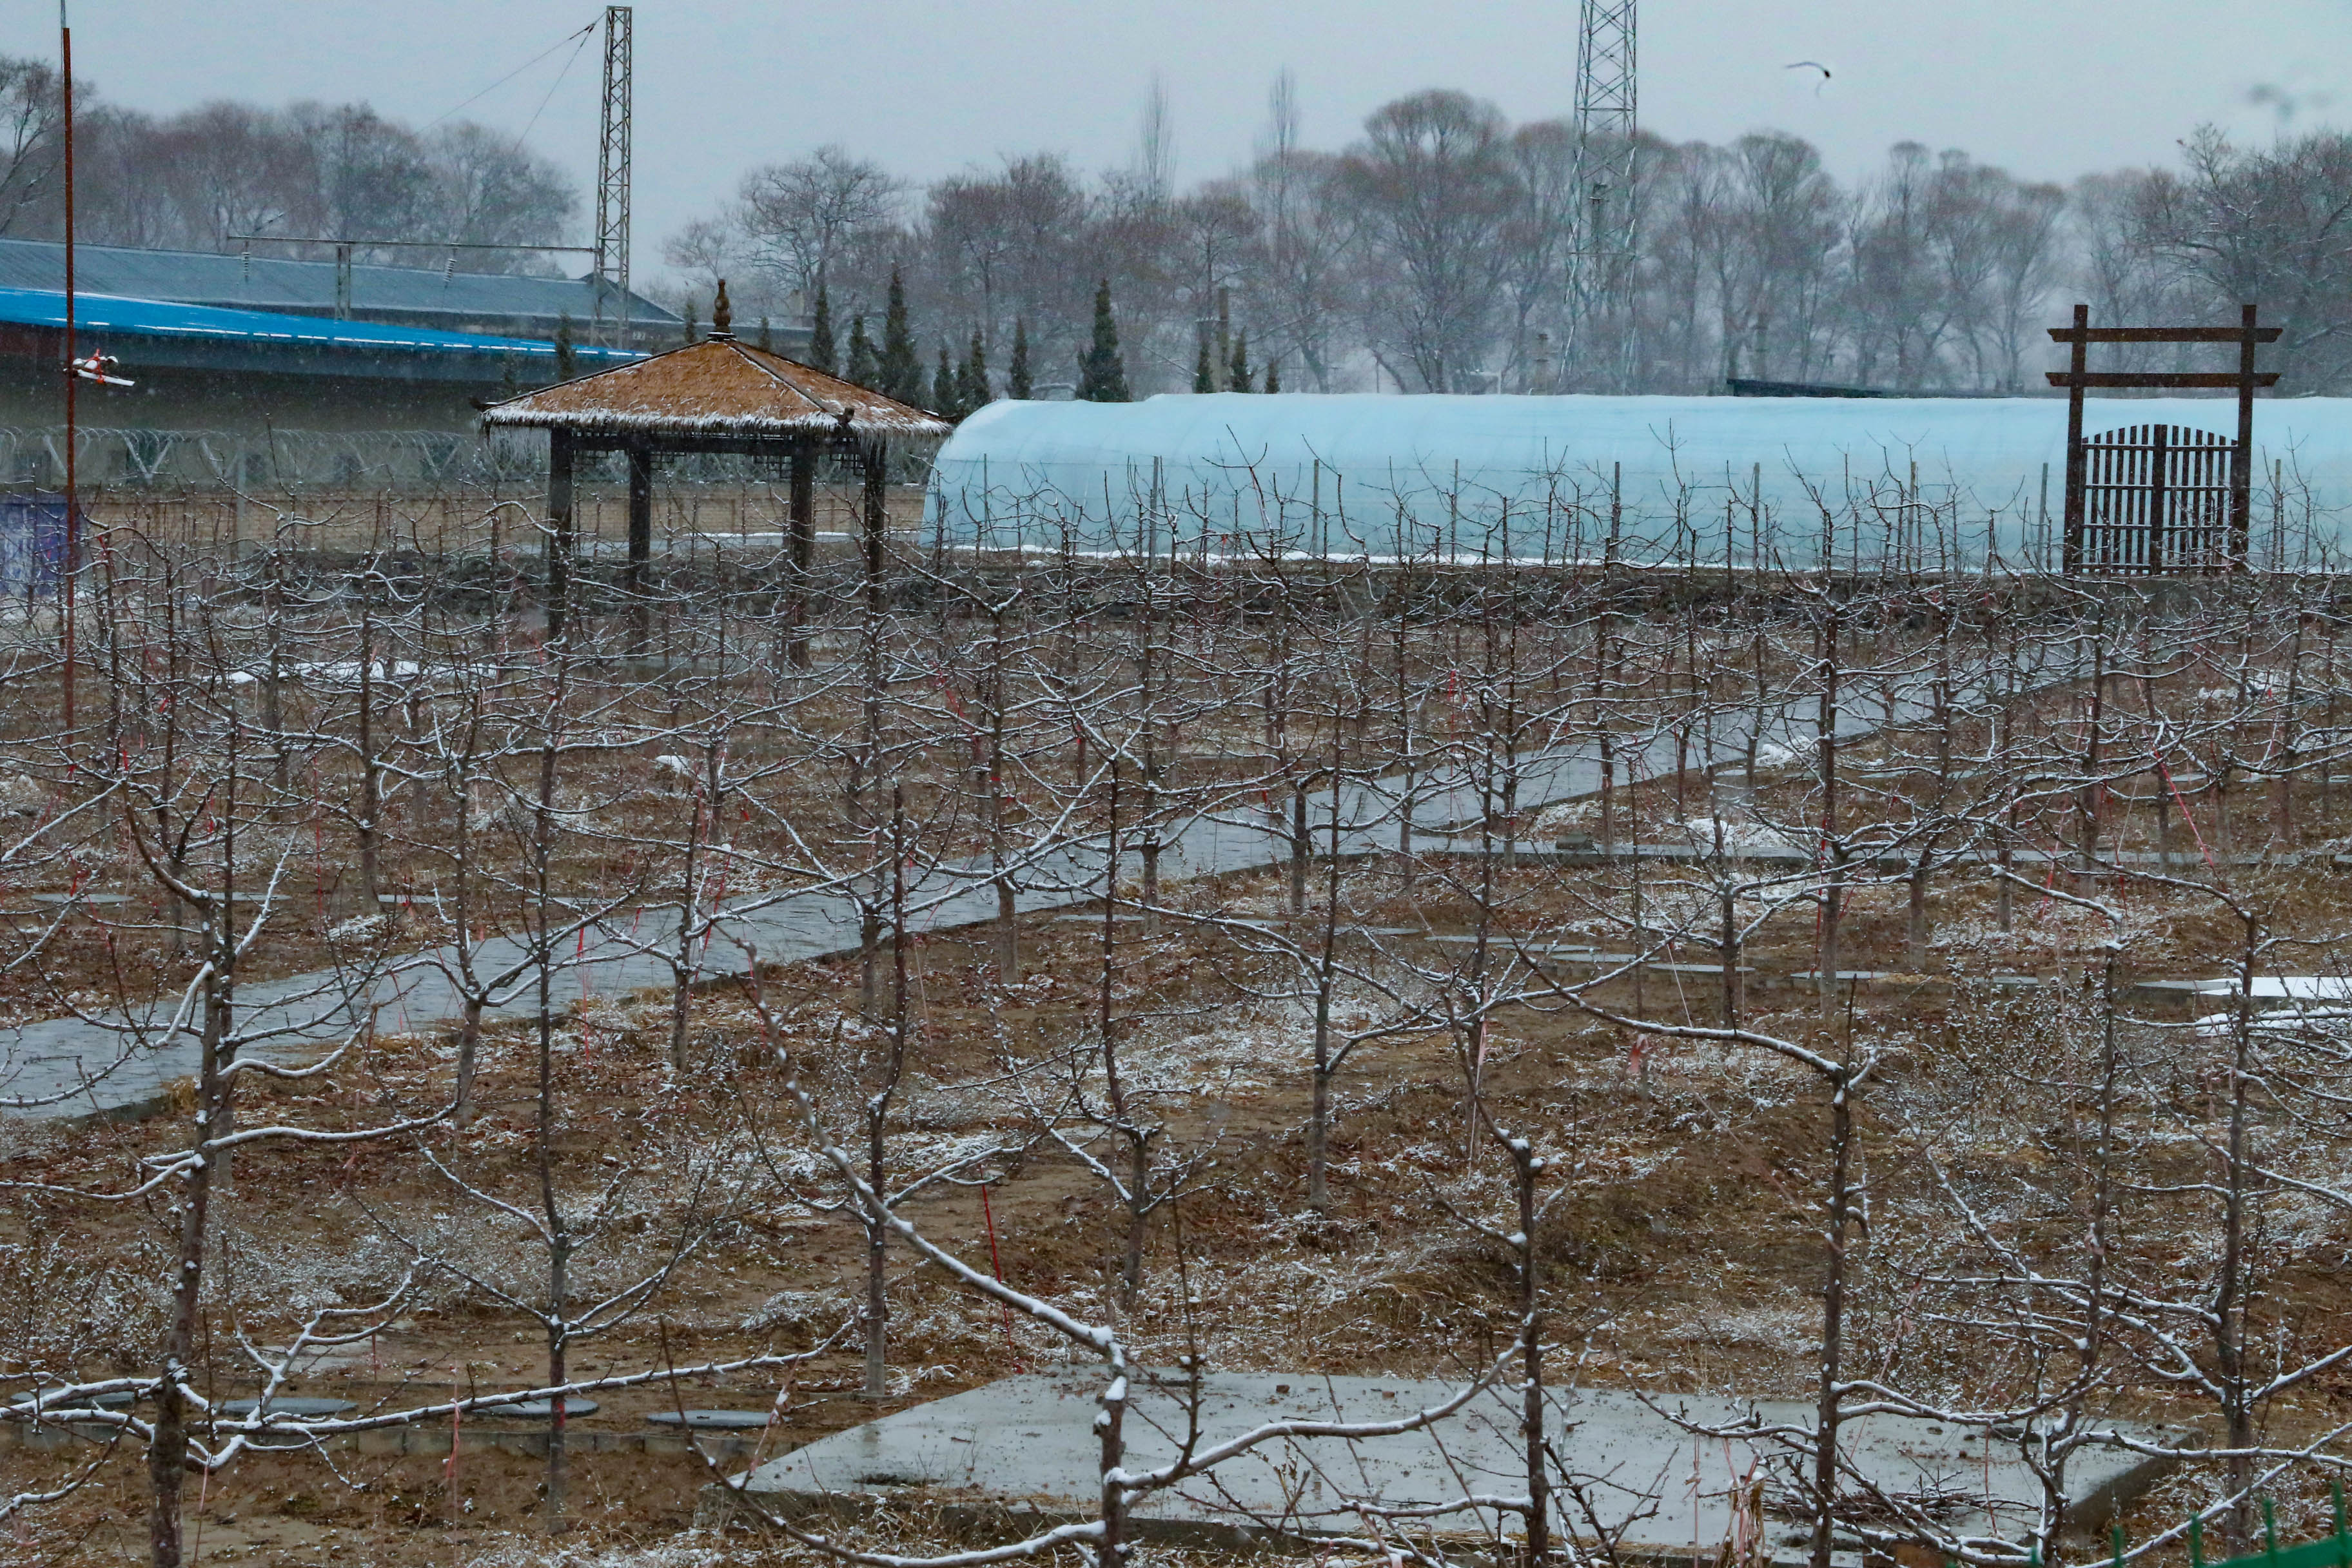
{"type": "Point", "coordinates": [32, 544]}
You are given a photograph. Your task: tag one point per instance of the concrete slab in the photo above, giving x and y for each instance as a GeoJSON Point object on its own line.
{"type": "Point", "coordinates": [1023, 1450]}
{"type": "Point", "coordinates": [714, 1420]}
{"type": "Point", "coordinates": [541, 1409]}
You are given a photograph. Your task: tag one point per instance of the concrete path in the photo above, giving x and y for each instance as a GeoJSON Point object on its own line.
{"type": "Point", "coordinates": [1026, 1445]}
{"type": "Point", "coordinates": [124, 1066]}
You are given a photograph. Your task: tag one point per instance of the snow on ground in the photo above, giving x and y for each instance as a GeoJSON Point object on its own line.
{"type": "Point", "coordinates": [540, 1552]}
{"type": "Point", "coordinates": [1739, 832]}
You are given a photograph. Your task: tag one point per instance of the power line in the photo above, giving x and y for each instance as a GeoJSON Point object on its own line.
{"type": "Point", "coordinates": [526, 65]}
{"type": "Point", "coordinates": [533, 123]}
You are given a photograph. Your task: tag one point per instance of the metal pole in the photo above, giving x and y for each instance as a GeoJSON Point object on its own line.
{"type": "Point", "coordinates": [1607, 120]}
{"type": "Point", "coordinates": [612, 179]}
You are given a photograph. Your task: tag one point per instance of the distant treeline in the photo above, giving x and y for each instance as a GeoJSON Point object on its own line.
{"type": "Point", "coordinates": [187, 181]}
{"type": "Point", "coordinates": [1435, 254]}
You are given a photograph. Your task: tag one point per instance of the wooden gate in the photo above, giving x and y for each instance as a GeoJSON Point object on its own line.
{"type": "Point", "coordinates": [2151, 499]}
{"type": "Point", "coordinates": [2157, 499]}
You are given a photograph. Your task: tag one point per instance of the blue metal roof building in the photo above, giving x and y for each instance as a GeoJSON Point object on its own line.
{"type": "Point", "coordinates": [260, 395]}
{"type": "Point", "coordinates": [153, 333]}
{"type": "Point", "coordinates": [502, 303]}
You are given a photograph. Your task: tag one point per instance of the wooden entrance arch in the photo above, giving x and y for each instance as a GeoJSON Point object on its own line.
{"type": "Point", "coordinates": [2150, 499]}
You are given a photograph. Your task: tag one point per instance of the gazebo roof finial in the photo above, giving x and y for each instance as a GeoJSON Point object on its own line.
{"type": "Point", "coordinates": [722, 315]}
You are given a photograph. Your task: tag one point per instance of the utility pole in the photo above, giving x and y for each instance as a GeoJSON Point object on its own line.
{"type": "Point", "coordinates": [612, 185]}
{"type": "Point", "coordinates": [1600, 336]}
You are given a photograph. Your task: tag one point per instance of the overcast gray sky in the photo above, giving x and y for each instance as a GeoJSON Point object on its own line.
{"type": "Point", "coordinates": [2048, 88]}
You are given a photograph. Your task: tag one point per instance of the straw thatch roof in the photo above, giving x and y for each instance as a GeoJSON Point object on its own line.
{"type": "Point", "coordinates": [719, 388]}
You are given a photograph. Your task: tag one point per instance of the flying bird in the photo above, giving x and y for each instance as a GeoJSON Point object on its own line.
{"type": "Point", "coordinates": [1813, 66]}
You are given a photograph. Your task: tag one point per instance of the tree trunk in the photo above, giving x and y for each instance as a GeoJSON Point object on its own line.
{"type": "Point", "coordinates": [1299, 848]}
{"type": "Point", "coordinates": [559, 1232]}
{"type": "Point", "coordinates": [1111, 1424]}
{"type": "Point", "coordinates": [1148, 855]}
{"type": "Point", "coordinates": [469, 1042]}
{"type": "Point", "coordinates": [2091, 801]}
{"type": "Point", "coordinates": [1138, 1216]}
{"type": "Point", "coordinates": [1831, 1396]}
{"type": "Point", "coordinates": [1833, 892]}
{"type": "Point", "coordinates": [690, 896]}
{"type": "Point", "coordinates": [1008, 931]}
{"type": "Point", "coordinates": [167, 1452]}
{"type": "Point", "coordinates": [1531, 1408]}
{"type": "Point", "coordinates": [371, 773]}
{"type": "Point", "coordinates": [1733, 997]}
{"type": "Point", "coordinates": [878, 1306]}
{"type": "Point", "coordinates": [2231, 1288]}
{"type": "Point", "coordinates": [1914, 932]}
{"type": "Point", "coordinates": [1319, 1123]}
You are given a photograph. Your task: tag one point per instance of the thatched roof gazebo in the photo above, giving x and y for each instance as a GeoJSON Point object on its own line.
{"type": "Point", "coordinates": [716, 396]}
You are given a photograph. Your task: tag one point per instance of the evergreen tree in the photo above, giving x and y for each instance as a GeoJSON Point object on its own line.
{"type": "Point", "coordinates": [947, 399]}
{"type": "Point", "coordinates": [1238, 374]}
{"type": "Point", "coordinates": [1102, 373]}
{"type": "Point", "coordinates": [862, 366]}
{"type": "Point", "coordinates": [972, 376]}
{"type": "Point", "coordinates": [1204, 370]}
{"type": "Point", "coordinates": [819, 349]}
{"type": "Point", "coordinates": [767, 337]}
{"type": "Point", "coordinates": [693, 328]}
{"type": "Point", "coordinates": [1273, 377]}
{"type": "Point", "coordinates": [567, 355]}
{"type": "Point", "coordinates": [1016, 369]}
{"type": "Point", "coordinates": [902, 366]}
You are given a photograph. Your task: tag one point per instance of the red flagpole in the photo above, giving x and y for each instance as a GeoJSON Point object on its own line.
{"type": "Point", "coordinates": [73, 519]}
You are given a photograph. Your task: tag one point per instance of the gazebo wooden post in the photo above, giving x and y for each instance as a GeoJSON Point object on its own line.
{"type": "Point", "coordinates": [878, 519]}
{"type": "Point", "coordinates": [641, 530]}
{"type": "Point", "coordinates": [801, 561]}
{"type": "Point", "coordinates": [560, 528]}
{"type": "Point", "coordinates": [2077, 372]}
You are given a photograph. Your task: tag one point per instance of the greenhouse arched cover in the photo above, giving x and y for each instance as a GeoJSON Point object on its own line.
{"type": "Point", "coordinates": [1534, 478]}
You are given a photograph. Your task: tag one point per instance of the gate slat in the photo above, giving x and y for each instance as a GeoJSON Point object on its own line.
{"type": "Point", "coordinates": [2155, 498]}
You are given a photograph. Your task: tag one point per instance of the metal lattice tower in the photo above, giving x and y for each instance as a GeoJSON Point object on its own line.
{"type": "Point", "coordinates": [612, 185]}
{"type": "Point", "coordinates": [1606, 81]}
